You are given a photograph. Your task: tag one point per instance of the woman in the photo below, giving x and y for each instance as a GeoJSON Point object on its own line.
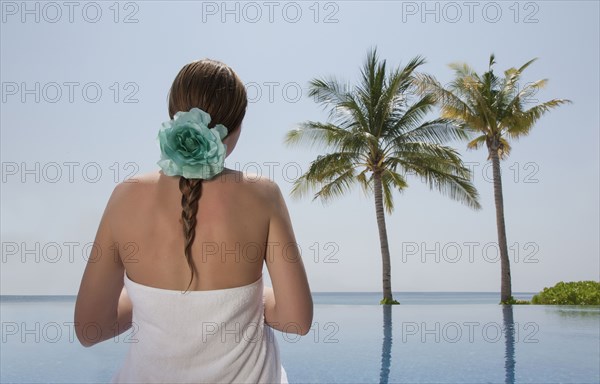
{"type": "Point", "coordinates": [179, 253]}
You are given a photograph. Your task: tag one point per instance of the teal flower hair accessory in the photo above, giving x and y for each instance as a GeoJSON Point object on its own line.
{"type": "Point", "coordinates": [189, 148]}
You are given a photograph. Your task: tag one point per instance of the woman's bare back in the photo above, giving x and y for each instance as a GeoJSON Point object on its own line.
{"type": "Point", "coordinates": [231, 231]}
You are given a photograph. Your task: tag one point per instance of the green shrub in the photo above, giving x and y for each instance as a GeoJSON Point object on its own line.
{"type": "Point", "coordinates": [522, 302]}
{"type": "Point", "coordinates": [388, 301]}
{"type": "Point", "coordinates": [571, 293]}
{"type": "Point", "coordinates": [512, 301]}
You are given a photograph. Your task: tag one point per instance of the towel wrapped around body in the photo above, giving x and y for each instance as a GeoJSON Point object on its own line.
{"type": "Point", "coordinates": [216, 336]}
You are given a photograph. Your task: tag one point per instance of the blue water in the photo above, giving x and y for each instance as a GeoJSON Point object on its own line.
{"type": "Point", "coordinates": [419, 298]}
{"type": "Point", "coordinates": [430, 338]}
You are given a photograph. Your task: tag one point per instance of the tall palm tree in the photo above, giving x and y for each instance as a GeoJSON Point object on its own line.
{"type": "Point", "coordinates": [375, 137]}
{"type": "Point", "coordinates": [494, 109]}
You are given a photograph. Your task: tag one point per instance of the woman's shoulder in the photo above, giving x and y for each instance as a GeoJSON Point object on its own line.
{"type": "Point", "coordinates": [255, 183]}
{"type": "Point", "coordinates": [137, 182]}
{"type": "Point", "coordinates": [132, 191]}
{"type": "Point", "coordinates": [247, 178]}
{"type": "Point", "coordinates": [142, 184]}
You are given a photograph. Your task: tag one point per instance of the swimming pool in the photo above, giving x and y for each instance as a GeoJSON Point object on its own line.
{"type": "Point", "coordinates": [409, 343]}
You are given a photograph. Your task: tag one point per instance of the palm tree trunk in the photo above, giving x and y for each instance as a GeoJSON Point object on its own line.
{"type": "Point", "coordinates": [383, 240]}
{"type": "Point", "coordinates": [505, 284]}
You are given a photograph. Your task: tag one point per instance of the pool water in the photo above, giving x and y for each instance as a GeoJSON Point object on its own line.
{"type": "Point", "coordinates": [348, 343]}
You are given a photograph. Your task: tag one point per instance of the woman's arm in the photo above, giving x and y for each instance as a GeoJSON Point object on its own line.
{"type": "Point", "coordinates": [124, 311]}
{"type": "Point", "coordinates": [103, 309]}
{"type": "Point", "coordinates": [288, 305]}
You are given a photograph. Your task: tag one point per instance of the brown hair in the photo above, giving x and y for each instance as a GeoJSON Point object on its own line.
{"type": "Point", "coordinates": [215, 88]}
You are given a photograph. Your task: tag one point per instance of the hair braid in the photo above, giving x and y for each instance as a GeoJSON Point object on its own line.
{"type": "Point", "coordinates": [191, 189]}
{"type": "Point", "coordinates": [216, 89]}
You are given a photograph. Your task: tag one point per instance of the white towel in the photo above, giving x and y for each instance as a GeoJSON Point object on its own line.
{"type": "Point", "coordinates": [216, 336]}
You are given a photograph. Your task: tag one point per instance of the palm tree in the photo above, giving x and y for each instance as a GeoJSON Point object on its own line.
{"type": "Point", "coordinates": [494, 109]}
{"type": "Point", "coordinates": [375, 137]}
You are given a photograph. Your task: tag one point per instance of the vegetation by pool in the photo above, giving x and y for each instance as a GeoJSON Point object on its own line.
{"type": "Point", "coordinates": [571, 293]}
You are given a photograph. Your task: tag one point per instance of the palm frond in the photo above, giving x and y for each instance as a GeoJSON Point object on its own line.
{"type": "Point", "coordinates": [316, 134]}
{"type": "Point", "coordinates": [391, 181]}
{"type": "Point", "coordinates": [411, 117]}
{"type": "Point", "coordinates": [463, 70]}
{"type": "Point", "coordinates": [492, 61]}
{"type": "Point", "coordinates": [522, 123]}
{"type": "Point", "coordinates": [325, 169]}
{"type": "Point", "coordinates": [453, 107]}
{"type": "Point", "coordinates": [504, 149]}
{"type": "Point", "coordinates": [522, 96]}
{"type": "Point", "coordinates": [527, 64]}
{"type": "Point", "coordinates": [337, 186]}
{"type": "Point", "coordinates": [327, 91]}
{"type": "Point", "coordinates": [438, 131]}
{"type": "Point", "coordinates": [450, 178]}
{"type": "Point", "coordinates": [344, 109]}
{"type": "Point", "coordinates": [365, 182]}
{"type": "Point", "coordinates": [477, 142]}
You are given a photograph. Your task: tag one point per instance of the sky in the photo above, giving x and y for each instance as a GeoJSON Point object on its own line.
{"type": "Point", "coordinates": [84, 90]}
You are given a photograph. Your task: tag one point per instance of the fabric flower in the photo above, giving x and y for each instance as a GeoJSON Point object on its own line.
{"type": "Point", "coordinates": [189, 148]}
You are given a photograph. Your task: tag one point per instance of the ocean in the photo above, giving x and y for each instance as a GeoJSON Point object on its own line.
{"type": "Point", "coordinates": [432, 337]}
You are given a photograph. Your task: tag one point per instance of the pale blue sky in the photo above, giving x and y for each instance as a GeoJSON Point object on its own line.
{"type": "Point", "coordinates": [550, 180]}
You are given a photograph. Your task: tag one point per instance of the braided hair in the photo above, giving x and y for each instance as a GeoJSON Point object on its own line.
{"type": "Point", "coordinates": [215, 88]}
